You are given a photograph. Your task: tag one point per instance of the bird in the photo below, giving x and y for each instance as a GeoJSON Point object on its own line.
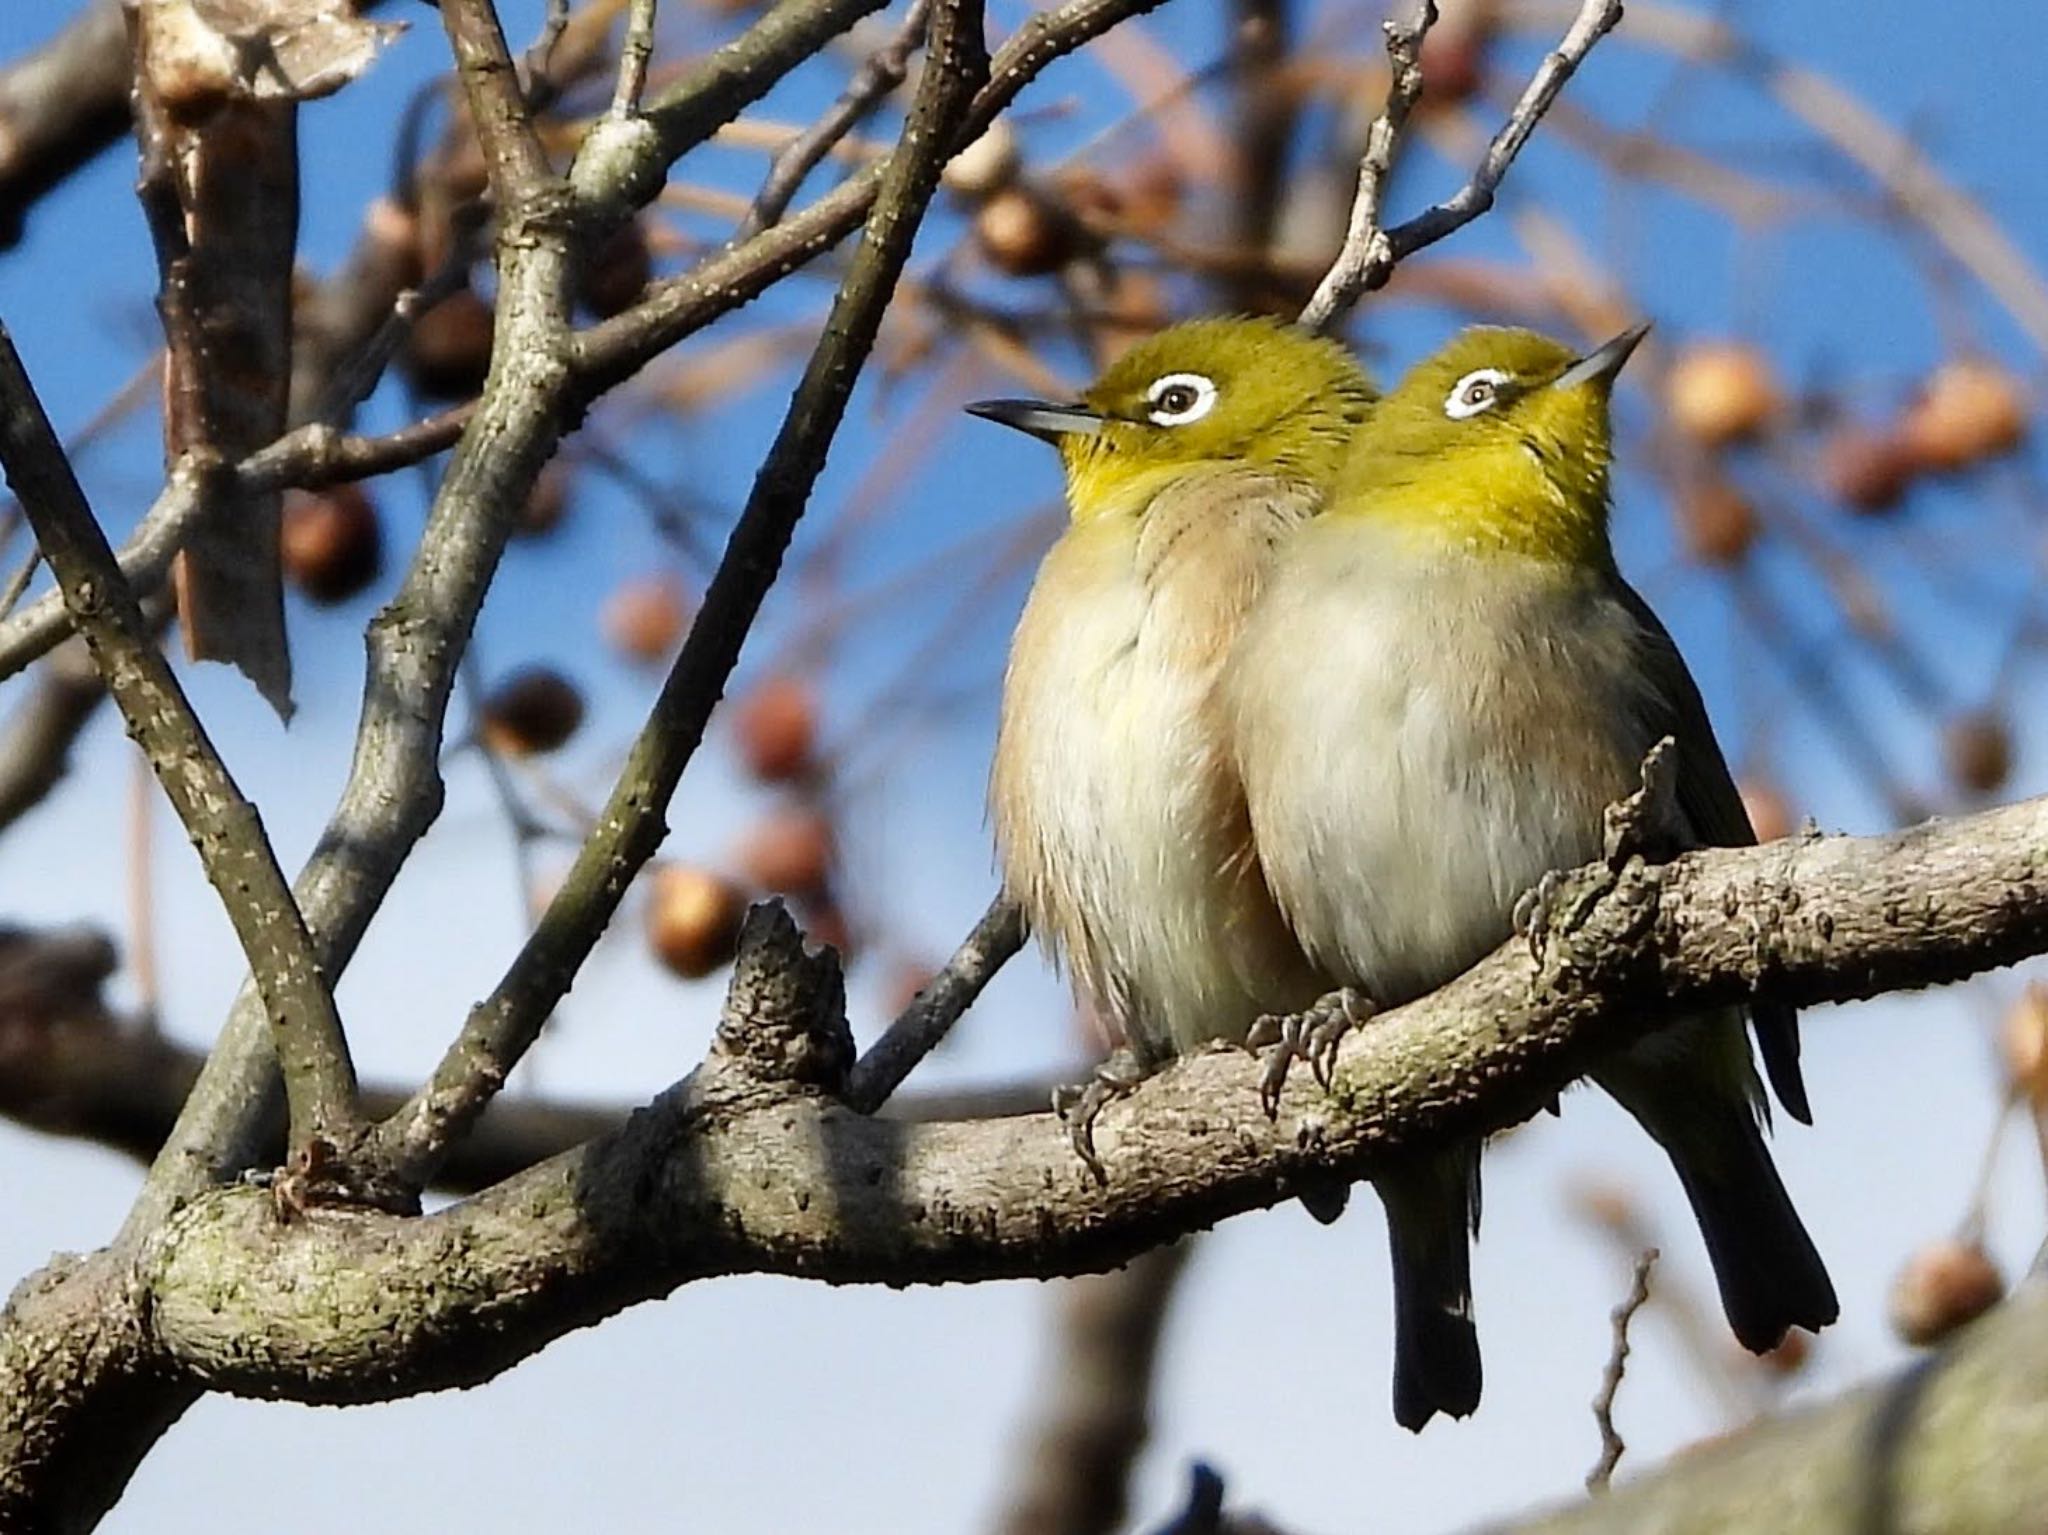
{"type": "Point", "coordinates": [1120, 826]}
{"type": "Point", "coordinates": [1444, 683]}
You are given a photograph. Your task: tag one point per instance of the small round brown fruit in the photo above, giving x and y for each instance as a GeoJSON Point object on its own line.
{"type": "Point", "coordinates": [534, 710]}
{"type": "Point", "coordinates": [449, 350]}
{"type": "Point", "coordinates": [1453, 62]}
{"type": "Point", "coordinates": [693, 918]}
{"type": "Point", "coordinates": [1133, 306]}
{"type": "Point", "coordinates": [1721, 392]}
{"type": "Point", "coordinates": [1978, 746]}
{"type": "Point", "coordinates": [1022, 233]}
{"type": "Point", "coordinates": [1942, 1287]}
{"type": "Point", "coordinates": [1865, 470]}
{"type": "Point", "coordinates": [826, 922]}
{"type": "Point", "coordinates": [1155, 191]}
{"type": "Point", "coordinates": [644, 619]}
{"type": "Point", "coordinates": [776, 726]}
{"type": "Point", "coordinates": [391, 237]}
{"type": "Point", "coordinates": [1770, 813]}
{"type": "Point", "coordinates": [789, 850]}
{"type": "Point", "coordinates": [1790, 1357]}
{"type": "Point", "coordinates": [330, 542]}
{"type": "Point", "coordinates": [1718, 521]}
{"type": "Point", "coordinates": [2025, 1041]}
{"type": "Point", "coordinates": [1968, 410]}
{"type": "Point", "coordinates": [547, 503]}
{"type": "Point", "coordinates": [611, 278]}
{"type": "Point", "coordinates": [907, 977]}
{"type": "Point", "coordinates": [985, 166]}
{"type": "Point", "coordinates": [1092, 198]}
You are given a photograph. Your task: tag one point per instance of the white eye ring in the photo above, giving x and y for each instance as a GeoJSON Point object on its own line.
{"type": "Point", "coordinates": [1193, 397]}
{"type": "Point", "coordinates": [1476, 391]}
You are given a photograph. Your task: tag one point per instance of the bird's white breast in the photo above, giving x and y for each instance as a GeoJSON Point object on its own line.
{"type": "Point", "coordinates": [1422, 737]}
{"type": "Point", "coordinates": [1119, 821]}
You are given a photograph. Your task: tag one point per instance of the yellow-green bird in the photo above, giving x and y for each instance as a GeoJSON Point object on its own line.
{"type": "Point", "coordinates": [1445, 681]}
{"type": "Point", "coordinates": [1120, 823]}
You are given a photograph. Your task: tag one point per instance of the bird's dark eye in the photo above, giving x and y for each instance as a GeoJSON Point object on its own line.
{"type": "Point", "coordinates": [1179, 398]}
{"type": "Point", "coordinates": [1476, 391]}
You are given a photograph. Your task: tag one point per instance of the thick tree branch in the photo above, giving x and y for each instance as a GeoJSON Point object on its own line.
{"type": "Point", "coordinates": [633, 822]}
{"type": "Point", "coordinates": [306, 1031]}
{"type": "Point", "coordinates": [723, 1174]}
{"type": "Point", "coordinates": [72, 1068]}
{"type": "Point", "coordinates": [726, 1173]}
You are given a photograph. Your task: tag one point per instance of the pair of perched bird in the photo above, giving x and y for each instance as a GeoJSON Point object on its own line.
{"type": "Point", "coordinates": [1314, 688]}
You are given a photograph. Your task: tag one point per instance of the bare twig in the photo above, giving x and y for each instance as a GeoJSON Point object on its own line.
{"type": "Point", "coordinates": [682, 305]}
{"type": "Point", "coordinates": [145, 561]}
{"type": "Point", "coordinates": [311, 1050]}
{"type": "Point", "coordinates": [1949, 216]}
{"type": "Point", "coordinates": [634, 52]}
{"type": "Point", "coordinates": [1365, 246]}
{"type": "Point", "coordinates": [625, 157]}
{"type": "Point", "coordinates": [633, 823]}
{"type": "Point", "coordinates": [933, 1012]}
{"type": "Point", "coordinates": [882, 72]}
{"type": "Point", "coordinates": [538, 63]}
{"type": "Point", "coordinates": [142, 892]}
{"type": "Point", "coordinates": [1370, 253]}
{"type": "Point", "coordinates": [1611, 1447]}
{"type": "Point", "coordinates": [35, 744]}
{"type": "Point", "coordinates": [394, 787]}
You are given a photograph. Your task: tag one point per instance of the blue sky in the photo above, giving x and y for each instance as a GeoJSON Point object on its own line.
{"type": "Point", "coordinates": [1276, 1365]}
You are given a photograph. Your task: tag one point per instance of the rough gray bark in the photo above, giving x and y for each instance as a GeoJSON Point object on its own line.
{"type": "Point", "coordinates": [1953, 1446]}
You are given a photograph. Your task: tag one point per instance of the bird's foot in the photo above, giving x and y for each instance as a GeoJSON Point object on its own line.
{"type": "Point", "coordinates": [1534, 915]}
{"type": "Point", "coordinates": [1077, 1106]}
{"type": "Point", "coordinates": [1311, 1035]}
{"type": "Point", "coordinates": [1647, 824]}
{"type": "Point", "coordinates": [1646, 827]}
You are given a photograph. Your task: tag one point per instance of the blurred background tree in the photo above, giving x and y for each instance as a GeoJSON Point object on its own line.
{"type": "Point", "coordinates": [1831, 480]}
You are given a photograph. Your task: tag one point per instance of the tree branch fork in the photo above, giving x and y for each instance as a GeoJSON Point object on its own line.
{"type": "Point", "coordinates": [746, 1167]}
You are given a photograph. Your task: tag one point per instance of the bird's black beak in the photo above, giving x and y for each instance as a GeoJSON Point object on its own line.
{"type": "Point", "coordinates": [1040, 418]}
{"type": "Point", "coordinates": [1601, 364]}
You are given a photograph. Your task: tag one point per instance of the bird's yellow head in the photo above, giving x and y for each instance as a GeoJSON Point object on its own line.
{"type": "Point", "coordinates": [1247, 392]}
{"type": "Point", "coordinates": [1498, 443]}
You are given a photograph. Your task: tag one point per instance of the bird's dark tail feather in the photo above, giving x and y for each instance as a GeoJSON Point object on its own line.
{"type": "Point", "coordinates": [1770, 1275]}
{"type": "Point", "coordinates": [1432, 1214]}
